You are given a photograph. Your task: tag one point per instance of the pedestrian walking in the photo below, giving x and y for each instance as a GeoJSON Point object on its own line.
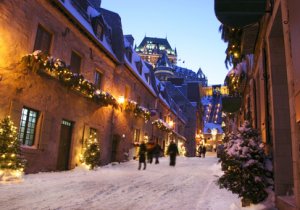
{"type": "Point", "coordinates": [142, 155]}
{"type": "Point", "coordinates": [200, 150]}
{"type": "Point", "coordinates": [203, 151]}
{"type": "Point", "coordinates": [150, 146]}
{"type": "Point", "coordinates": [172, 152]}
{"type": "Point", "coordinates": [156, 152]}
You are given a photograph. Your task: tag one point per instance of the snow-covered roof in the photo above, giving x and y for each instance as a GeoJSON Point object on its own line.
{"type": "Point", "coordinates": [145, 70]}
{"type": "Point", "coordinates": [85, 24]}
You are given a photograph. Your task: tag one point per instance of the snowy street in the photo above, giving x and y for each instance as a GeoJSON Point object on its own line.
{"type": "Point", "coordinates": [187, 186]}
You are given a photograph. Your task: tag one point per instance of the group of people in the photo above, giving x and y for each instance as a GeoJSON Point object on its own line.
{"type": "Point", "coordinates": [156, 151]}
{"type": "Point", "coordinates": [202, 151]}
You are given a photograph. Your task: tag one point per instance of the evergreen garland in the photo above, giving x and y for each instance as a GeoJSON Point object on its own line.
{"type": "Point", "coordinates": [139, 111]}
{"type": "Point", "coordinates": [233, 37]}
{"type": "Point", "coordinates": [57, 68]}
{"type": "Point", "coordinates": [143, 112]}
{"type": "Point", "coordinates": [161, 125]}
{"type": "Point", "coordinates": [10, 151]}
{"type": "Point", "coordinates": [247, 170]}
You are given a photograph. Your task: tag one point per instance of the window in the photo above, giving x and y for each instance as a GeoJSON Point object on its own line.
{"type": "Point", "coordinates": [99, 31]}
{"type": "Point", "coordinates": [98, 26]}
{"type": "Point", "coordinates": [138, 100]}
{"type": "Point", "coordinates": [75, 62]}
{"type": "Point", "coordinates": [127, 91]}
{"type": "Point", "coordinates": [128, 53]}
{"type": "Point", "coordinates": [98, 79]}
{"type": "Point", "coordinates": [147, 76]}
{"type": "Point", "coordinates": [136, 135]}
{"type": "Point", "coordinates": [139, 66]}
{"type": "Point", "coordinates": [93, 133]}
{"type": "Point", "coordinates": [28, 126]}
{"type": "Point", "coordinates": [42, 40]}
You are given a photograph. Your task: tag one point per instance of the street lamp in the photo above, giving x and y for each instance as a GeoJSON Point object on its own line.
{"type": "Point", "coordinates": [121, 100]}
{"type": "Point", "coordinates": [171, 123]}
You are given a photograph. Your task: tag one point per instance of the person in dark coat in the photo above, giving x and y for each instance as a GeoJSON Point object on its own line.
{"type": "Point", "coordinates": [200, 150]}
{"type": "Point", "coordinates": [172, 152]}
{"type": "Point", "coordinates": [156, 152]}
{"type": "Point", "coordinates": [203, 151]}
{"type": "Point", "coordinates": [142, 155]}
{"type": "Point", "coordinates": [150, 147]}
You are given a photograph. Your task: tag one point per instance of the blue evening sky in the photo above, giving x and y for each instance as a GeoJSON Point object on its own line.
{"type": "Point", "coordinates": [189, 25]}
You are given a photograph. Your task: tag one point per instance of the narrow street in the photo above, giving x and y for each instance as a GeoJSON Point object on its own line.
{"type": "Point", "coordinates": [187, 186]}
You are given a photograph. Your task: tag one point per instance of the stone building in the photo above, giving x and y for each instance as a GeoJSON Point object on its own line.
{"type": "Point", "coordinates": [270, 97]}
{"type": "Point", "coordinates": [92, 83]}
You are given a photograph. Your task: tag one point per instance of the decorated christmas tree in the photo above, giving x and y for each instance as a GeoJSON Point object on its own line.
{"type": "Point", "coordinates": [11, 162]}
{"type": "Point", "coordinates": [247, 170]}
{"type": "Point", "coordinates": [91, 151]}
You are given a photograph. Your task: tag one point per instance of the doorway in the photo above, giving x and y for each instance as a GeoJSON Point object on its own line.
{"type": "Point", "coordinates": [64, 145]}
{"type": "Point", "coordinates": [115, 147]}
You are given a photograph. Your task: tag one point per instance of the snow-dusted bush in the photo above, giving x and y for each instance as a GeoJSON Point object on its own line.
{"type": "Point", "coordinates": [247, 170]}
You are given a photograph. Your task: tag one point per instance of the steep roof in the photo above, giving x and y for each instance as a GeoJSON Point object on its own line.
{"type": "Point", "coordinates": [154, 40]}
{"type": "Point", "coordinates": [164, 61]}
{"type": "Point", "coordinates": [114, 21]}
{"type": "Point", "coordinates": [82, 14]}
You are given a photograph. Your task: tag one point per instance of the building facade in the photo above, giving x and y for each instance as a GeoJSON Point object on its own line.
{"type": "Point", "coordinates": [67, 71]}
{"type": "Point", "coordinates": [270, 98]}
{"type": "Point", "coordinates": [182, 84]}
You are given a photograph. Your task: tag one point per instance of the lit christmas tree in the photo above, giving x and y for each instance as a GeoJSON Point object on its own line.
{"type": "Point", "coordinates": [247, 170]}
{"type": "Point", "coordinates": [11, 162]}
{"type": "Point", "coordinates": [91, 151]}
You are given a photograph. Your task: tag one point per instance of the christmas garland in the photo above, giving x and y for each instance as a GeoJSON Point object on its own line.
{"type": "Point", "coordinates": [139, 111]}
{"type": "Point", "coordinates": [142, 112]}
{"type": "Point", "coordinates": [57, 68]}
{"type": "Point", "coordinates": [233, 37]}
{"type": "Point", "coordinates": [161, 125]}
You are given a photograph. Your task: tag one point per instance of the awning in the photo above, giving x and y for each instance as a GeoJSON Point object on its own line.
{"type": "Point", "coordinates": [239, 13]}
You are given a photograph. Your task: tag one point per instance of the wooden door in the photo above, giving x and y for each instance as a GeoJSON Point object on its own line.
{"type": "Point", "coordinates": [115, 147]}
{"type": "Point", "coordinates": [64, 145]}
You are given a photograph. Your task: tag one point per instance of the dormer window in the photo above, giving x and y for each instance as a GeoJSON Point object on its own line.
{"type": "Point", "coordinates": [139, 67]}
{"type": "Point", "coordinates": [129, 54]}
{"type": "Point", "coordinates": [98, 27]}
{"type": "Point", "coordinates": [99, 31]}
{"type": "Point", "coordinates": [81, 7]}
{"type": "Point", "coordinates": [147, 76]}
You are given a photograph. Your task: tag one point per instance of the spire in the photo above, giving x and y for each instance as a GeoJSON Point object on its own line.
{"type": "Point", "coordinates": [164, 61]}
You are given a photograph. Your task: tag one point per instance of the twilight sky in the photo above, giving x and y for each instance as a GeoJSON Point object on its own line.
{"type": "Point", "coordinates": [190, 26]}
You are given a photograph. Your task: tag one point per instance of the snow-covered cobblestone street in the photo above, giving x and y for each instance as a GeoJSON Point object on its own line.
{"type": "Point", "coordinates": [190, 185]}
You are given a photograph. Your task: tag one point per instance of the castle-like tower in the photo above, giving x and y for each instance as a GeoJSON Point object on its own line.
{"type": "Point", "coordinates": [151, 49]}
